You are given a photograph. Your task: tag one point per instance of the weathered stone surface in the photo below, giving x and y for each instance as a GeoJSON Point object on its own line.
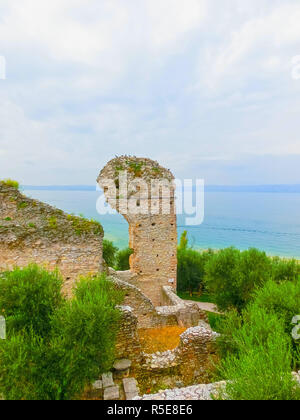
{"type": "Point", "coordinates": [191, 357]}
{"type": "Point", "coordinates": [107, 380]}
{"type": "Point", "coordinates": [130, 385]}
{"type": "Point", "coordinates": [153, 237]}
{"type": "Point", "coordinates": [176, 313]}
{"type": "Point", "coordinates": [31, 231]}
{"type": "Point", "coordinates": [98, 385]}
{"type": "Point", "coordinates": [196, 392]}
{"type": "Point", "coordinates": [122, 364]}
{"type": "Point", "coordinates": [112, 393]}
{"type": "Point", "coordinates": [131, 388]}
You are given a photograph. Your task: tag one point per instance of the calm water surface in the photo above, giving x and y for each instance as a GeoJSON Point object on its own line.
{"type": "Point", "coordinates": [268, 221]}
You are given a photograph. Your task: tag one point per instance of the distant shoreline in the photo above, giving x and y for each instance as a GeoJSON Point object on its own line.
{"type": "Point", "coordinates": [208, 188]}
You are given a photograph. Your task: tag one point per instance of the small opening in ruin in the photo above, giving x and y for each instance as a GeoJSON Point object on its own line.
{"type": "Point", "coordinates": [105, 189]}
{"type": "Point", "coordinates": [157, 269]}
{"type": "Point", "coordinates": [153, 224]}
{"type": "Point", "coordinates": [153, 240]}
{"type": "Point", "coordinates": [138, 203]}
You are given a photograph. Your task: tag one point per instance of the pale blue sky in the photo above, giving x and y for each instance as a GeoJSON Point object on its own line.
{"type": "Point", "coordinates": [203, 86]}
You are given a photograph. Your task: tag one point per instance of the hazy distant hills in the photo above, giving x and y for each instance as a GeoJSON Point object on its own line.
{"type": "Point", "coordinates": [208, 188]}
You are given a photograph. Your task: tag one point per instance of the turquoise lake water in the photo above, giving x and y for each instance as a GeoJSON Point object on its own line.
{"type": "Point", "coordinates": [268, 221]}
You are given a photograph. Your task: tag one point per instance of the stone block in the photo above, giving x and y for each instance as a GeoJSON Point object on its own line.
{"type": "Point", "coordinates": [112, 393]}
{"type": "Point", "coordinates": [98, 385]}
{"type": "Point", "coordinates": [122, 368]}
{"type": "Point", "coordinates": [131, 388]}
{"type": "Point", "coordinates": [107, 380]}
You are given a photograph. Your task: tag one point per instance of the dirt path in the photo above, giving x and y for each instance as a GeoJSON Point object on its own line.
{"type": "Point", "coordinates": [205, 306]}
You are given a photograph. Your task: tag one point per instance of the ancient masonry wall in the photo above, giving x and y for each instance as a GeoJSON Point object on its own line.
{"type": "Point", "coordinates": [152, 237]}
{"type": "Point", "coordinates": [177, 312]}
{"type": "Point", "coordinates": [191, 360]}
{"type": "Point", "coordinates": [31, 231]}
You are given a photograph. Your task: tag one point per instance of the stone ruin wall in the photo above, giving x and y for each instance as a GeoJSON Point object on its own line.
{"type": "Point", "coordinates": [153, 237]}
{"type": "Point", "coordinates": [175, 312]}
{"type": "Point", "coordinates": [190, 361]}
{"type": "Point", "coordinates": [33, 232]}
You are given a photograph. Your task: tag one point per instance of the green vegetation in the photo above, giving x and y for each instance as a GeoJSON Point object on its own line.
{"type": "Point", "coordinates": [119, 260]}
{"type": "Point", "coordinates": [82, 225]}
{"type": "Point", "coordinates": [52, 222]}
{"type": "Point", "coordinates": [10, 183]}
{"type": "Point", "coordinates": [229, 277]}
{"type": "Point", "coordinates": [122, 259]}
{"type": "Point", "coordinates": [54, 347]}
{"type": "Point", "coordinates": [191, 268]}
{"type": "Point", "coordinates": [261, 369]}
{"type": "Point", "coordinates": [22, 205]}
{"type": "Point", "coordinates": [136, 168]}
{"type": "Point", "coordinates": [109, 253]}
{"type": "Point", "coordinates": [260, 296]}
{"type": "Point", "coordinates": [258, 350]}
{"type": "Point", "coordinates": [29, 297]}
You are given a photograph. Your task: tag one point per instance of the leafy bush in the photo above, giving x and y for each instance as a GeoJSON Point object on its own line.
{"type": "Point", "coordinates": [232, 276]}
{"type": "Point", "coordinates": [11, 183]}
{"type": "Point", "coordinates": [122, 259]}
{"type": "Point", "coordinates": [285, 270]}
{"type": "Point", "coordinates": [62, 360]}
{"type": "Point", "coordinates": [191, 270]}
{"type": "Point", "coordinates": [29, 297]}
{"type": "Point", "coordinates": [260, 367]}
{"type": "Point", "coordinates": [283, 300]}
{"type": "Point", "coordinates": [109, 253]}
{"type": "Point", "coordinates": [190, 267]}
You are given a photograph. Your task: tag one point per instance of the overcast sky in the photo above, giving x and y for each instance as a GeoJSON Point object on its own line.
{"type": "Point", "coordinates": [203, 86]}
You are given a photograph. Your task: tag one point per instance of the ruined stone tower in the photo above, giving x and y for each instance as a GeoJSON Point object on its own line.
{"type": "Point", "coordinates": [144, 193]}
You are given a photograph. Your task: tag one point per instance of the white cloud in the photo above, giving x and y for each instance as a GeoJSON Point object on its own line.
{"type": "Point", "coordinates": [182, 82]}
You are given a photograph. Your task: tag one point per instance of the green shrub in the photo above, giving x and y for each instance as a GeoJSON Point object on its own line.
{"type": "Point", "coordinates": [109, 253]}
{"type": "Point", "coordinates": [29, 297]}
{"type": "Point", "coordinates": [84, 331]}
{"type": "Point", "coordinates": [11, 183]}
{"type": "Point", "coordinates": [232, 275]}
{"type": "Point", "coordinates": [285, 270]}
{"type": "Point", "coordinates": [283, 300]}
{"type": "Point", "coordinates": [260, 368]}
{"type": "Point", "coordinates": [62, 360]}
{"type": "Point", "coordinates": [122, 259]}
{"type": "Point", "coordinates": [191, 270]}
{"type": "Point", "coordinates": [190, 267]}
